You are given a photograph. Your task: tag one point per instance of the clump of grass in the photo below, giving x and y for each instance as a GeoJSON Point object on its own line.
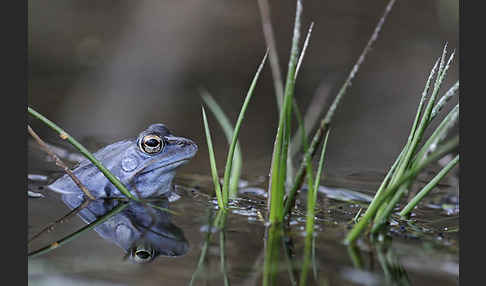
{"type": "Point", "coordinates": [412, 159]}
{"type": "Point", "coordinates": [279, 201]}
{"type": "Point", "coordinates": [425, 190]}
{"type": "Point", "coordinates": [228, 132]}
{"type": "Point", "coordinates": [326, 121]}
{"type": "Point", "coordinates": [224, 192]}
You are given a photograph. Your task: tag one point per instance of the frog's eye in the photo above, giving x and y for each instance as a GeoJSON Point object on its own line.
{"type": "Point", "coordinates": [143, 254]}
{"type": "Point", "coordinates": [151, 144]}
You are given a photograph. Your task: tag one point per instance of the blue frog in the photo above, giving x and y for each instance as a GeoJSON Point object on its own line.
{"type": "Point", "coordinates": [146, 165]}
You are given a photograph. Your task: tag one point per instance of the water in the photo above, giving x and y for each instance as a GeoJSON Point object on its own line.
{"type": "Point", "coordinates": [117, 67]}
{"type": "Point", "coordinates": [424, 251]}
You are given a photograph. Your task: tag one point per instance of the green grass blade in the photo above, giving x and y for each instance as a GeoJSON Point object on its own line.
{"type": "Point", "coordinates": [290, 164]}
{"type": "Point", "coordinates": [231, 151]}
{"type": "Point", "coordinates": [228, 132]}
{"type": "Point", "coordinates": [425, 190]}
{"type": "Point", "coordinates": [438, 83]}
{"type": "Point", "coordinates": [321, 165]}
{"type": "Point", "coordinates": [161, 208]}
{"type": "Point", "coordinates": [212, 161]}
{"type": "Point", "coordinates": [385, 182]}
{"type": "Point", "coordinates": [438, 135]}
{"type": "Point", "coordinates": [304, 49]}
{"type": "Point", "coordinates": [444, 99]}
{"type": "Point", "coordinates": [442, 62]}
{"type": "Point", "coordinates": [386, 209]}
{"type": "Point", "coordinates": [280, 150]}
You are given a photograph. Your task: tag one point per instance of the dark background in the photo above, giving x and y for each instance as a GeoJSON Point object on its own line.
{"type": "Point", "coordinates": [105, 70]}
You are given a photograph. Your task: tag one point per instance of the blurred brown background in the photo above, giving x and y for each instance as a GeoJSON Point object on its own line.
{"type": "Point", "coordinates": [105, 70]}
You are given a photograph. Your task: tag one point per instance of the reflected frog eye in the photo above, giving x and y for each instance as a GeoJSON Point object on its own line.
{"type": "Point", "coordinates": [143, 254]}
{"type": "Point", "coordinates": [151, 144]}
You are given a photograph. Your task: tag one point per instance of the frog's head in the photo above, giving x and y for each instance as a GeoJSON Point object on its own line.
{"type": "Point", "coordinates": [149, 163]}
{"type": "Point", "coordinates": [145, 164]}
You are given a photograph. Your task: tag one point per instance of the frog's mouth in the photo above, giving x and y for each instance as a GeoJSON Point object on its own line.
{"type": "Point", "coordinates": [167, 167]}
{"type": "Point", "coordinates": [175, 164]}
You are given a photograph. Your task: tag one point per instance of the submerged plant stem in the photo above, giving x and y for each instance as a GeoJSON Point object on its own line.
{"type": "Point", "coordinates": [64, 218]}
{"type": "Point", "coordinates": [311, 201]}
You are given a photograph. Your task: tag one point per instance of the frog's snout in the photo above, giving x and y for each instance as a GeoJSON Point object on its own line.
{"type": "Point", "coordinates": [191, 145]}
{"type": "Point", "coordinates": [185, 144]}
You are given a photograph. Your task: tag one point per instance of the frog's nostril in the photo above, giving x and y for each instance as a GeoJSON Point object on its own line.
{"type": "Point", "coordinates": [184, 143]}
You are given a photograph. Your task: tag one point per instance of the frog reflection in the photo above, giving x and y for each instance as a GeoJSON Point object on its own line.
{"type": "Point", "coordinates": [143, 232]}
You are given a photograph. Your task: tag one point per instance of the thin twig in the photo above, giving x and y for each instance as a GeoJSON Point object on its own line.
{"type": "Point", "coordinates": [60, 163]}
{"type": "Point", "coordinates": [65, 136]}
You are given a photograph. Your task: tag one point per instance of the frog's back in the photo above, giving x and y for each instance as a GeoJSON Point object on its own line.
{"type": "Point", "coordinates": [90, 175]}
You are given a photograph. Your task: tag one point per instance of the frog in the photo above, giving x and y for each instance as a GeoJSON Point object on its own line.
{"type": "Point", "coordinates": [146, 165]}
{"type": "Point", "coordinates": [144, 233]}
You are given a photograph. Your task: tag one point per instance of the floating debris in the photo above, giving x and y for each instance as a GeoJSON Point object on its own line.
{"type": "Point", "coordinates": [34, 195]}
{"type": "Point", "coordinates": [36, 177]}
